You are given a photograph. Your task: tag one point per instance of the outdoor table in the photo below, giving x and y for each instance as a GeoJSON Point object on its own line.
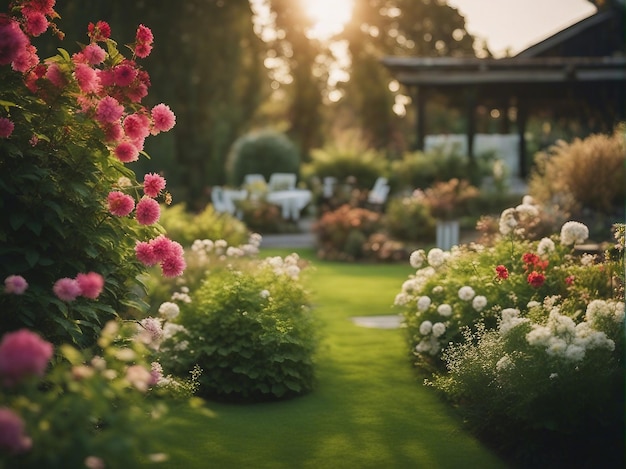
{"type": "Point", "coordinates": [291, 201]}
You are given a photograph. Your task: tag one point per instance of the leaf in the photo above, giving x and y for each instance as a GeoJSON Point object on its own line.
{"type": "Point", "coordinates": [31, 257]}
{"type": "Point", "coordinates": [17, 219]}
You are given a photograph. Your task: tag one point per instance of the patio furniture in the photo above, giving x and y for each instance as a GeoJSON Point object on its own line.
{"type": "Point", "coordinates": [282, 182]}
{"type": "Point", "coordinates": [224, 199]}
{"type": "Point", "coordinates": [291, 201]}
{"type": "Point", "coordinates": [379, 193]}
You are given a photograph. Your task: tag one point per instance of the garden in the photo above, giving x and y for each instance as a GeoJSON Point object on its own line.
{"type": "Point", "coordinates": [137, 332]}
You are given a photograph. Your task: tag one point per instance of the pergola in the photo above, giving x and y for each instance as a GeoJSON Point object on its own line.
{"type": "Point", "coordinates": [580, 72]}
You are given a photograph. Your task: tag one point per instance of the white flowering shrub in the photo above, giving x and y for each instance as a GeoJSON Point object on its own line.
{"type": "Point", "coordinates": [248, 326]}
{"type": "Point", "coordinates": [529, 341]}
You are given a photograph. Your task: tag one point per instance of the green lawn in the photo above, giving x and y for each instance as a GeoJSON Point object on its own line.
{"type": "Point", "coordinates": [367, 411]}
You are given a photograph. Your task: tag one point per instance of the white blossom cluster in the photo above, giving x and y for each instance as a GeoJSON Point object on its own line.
{"type": "Point", "coordinates": [431, 334]}
{"type": "Point", "coordinates": [287, 266]}
{"type": "Point", "coordinates": [573, 232]}
{"type": "Point", "coordinates": [562, 337]}
{"type": "Point", "coordinates": [513, 219]}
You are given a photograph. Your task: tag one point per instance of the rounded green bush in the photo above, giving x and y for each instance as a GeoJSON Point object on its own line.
{"type": "Point", "coordinates": [251, 332]}
{"type": "Point", "coordinates": [409, 219]}
{"type": "Point", "coordinates": [263, 152]}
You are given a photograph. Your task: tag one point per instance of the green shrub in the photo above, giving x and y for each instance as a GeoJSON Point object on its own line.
{"type": "Point", "coordinates": [586, 174]}
{"type": "Point", "coordinates": [185, 227]}
{"type": "Point", "coordinates": [251, 331]}
{"type": "Point", "coordinates": [341, 233]}
{"type": "Point", "coordinates": [263, 152]}
{"type": "Point", "coordinates": [409, 219]}
{"type": "Point", "coordinates": [526, 338]}
{"type": "Point", "coordinates": [419, 170]}
{"type": "Point", "coordinates": [360, 167]}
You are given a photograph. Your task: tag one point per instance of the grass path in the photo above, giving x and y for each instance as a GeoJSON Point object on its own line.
{"type": "Point", "coordinates": [367, 411]}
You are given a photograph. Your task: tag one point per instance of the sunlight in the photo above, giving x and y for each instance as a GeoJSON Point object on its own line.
{"type": "Point", "coordinates": [329, 16]}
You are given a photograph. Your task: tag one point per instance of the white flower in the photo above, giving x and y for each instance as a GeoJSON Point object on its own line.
{"type": "Point", "coordinates": [401, 299]}
{"type": "Point", "coordinates": [573, 232]}
{"type": "Point", "coordinates": [527, 211]}
{"type": "Point", "coordinates": [426, 327]}
{"type": "Point", "coordinates": [545, 246]}
{"type": "Point", "coordinates": [588, 259]}
{"type": "Point", "coordinates": [437, 290]}
{"type": "Point", "coordinates": [505, 363]}
{"type": "Point", "coordinates": [538, 336]}
{"type": "Point", "coordinates": [139, 377]}
{"type": "Point", "coordinates": [169, 310]}
{"type": "Point", "coordinates": [411, 285]}
{"type": "Point", "coordinates": [232, 251]}
{"type": "Point", "coordinates": [479, 302]}
{"type": "Point", "coordinates": [554, 375]}
{"type": "Point", "coordinates": [466, 293]}
{"type": "Point", "coordinates": [508, 221]}
{"type": "Point", "coordinates": [292, 271]}
{"type": "Point", "coordinates": [417, 258]}
{"type": "Point", "coordinates": [436, 257]}
{"type": "Point", "coordinates": [438, 329]}
{"type": "Point", "coordinates": [265, 293]}
{"type": "Point", "coordinates": [510, 319]}
{"type": "Point", "coordinates": [528, 200]}
{"type": "Point", "coordinates": [533, 304]}
{"type": "Point", "coordinates": [423, 303]}
{"type": "Point", "coordinates": [124, 182]}
{"type": "Point", "coordinates": [445, 310]}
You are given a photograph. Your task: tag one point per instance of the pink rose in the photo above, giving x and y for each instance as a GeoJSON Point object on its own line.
{"type": "Point", "coordinates": [23, 353]}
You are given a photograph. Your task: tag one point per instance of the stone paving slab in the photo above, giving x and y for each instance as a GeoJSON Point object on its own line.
{"type": "Point", "coordinates": [387, 321]}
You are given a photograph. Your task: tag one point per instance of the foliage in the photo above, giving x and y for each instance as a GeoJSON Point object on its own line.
{"type": "Point", "coordinates": [419, 170]}
{"type": "Point", "coordinates": [360, 166]}
{"type": "Point", "coordinates": [263, 152]}
{"type": "Point", "coordinates": [342, 233]}
{"type": "Point", "coordinates": [62, 161]}
{"type": "Point", "coordinates": [584, 175]}
{"type": "Point", "coordinates": [409, 219]}
{"type": "Point", "coordinates": [86, 410]}
{"type": "Point", "coordinates": [449, 200]}
{"type": "Point", "coordinates": [514, 333]}
{"type": "Point", "coordinates": [251, 331]}
{"type": "Point", "coordinates": [185, 226]}
{"type": "Point", "coordinates": [264, 217]}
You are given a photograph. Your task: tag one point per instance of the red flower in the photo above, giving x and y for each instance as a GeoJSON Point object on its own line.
{"type": "Point", "coordinates": [101, 31]}
{"type": "Point", "coordinates": [536, 279]}
{"type": "Point", "coordinates": [502, 272]}
{"type": "Point", "coordinates": [569, 280]}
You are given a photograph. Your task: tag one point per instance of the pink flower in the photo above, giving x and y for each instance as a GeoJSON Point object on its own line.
{"type": "Point", "coordinates": [144, 34]}
{"type": "Point", "coordinates": [139, 377]}
{"type": "Point", "coordinates": [173, 266]}
{"type": "Point", "coordinates": [125, 74]}
{"type": "Point", "coordinates": [109, 110]}
{"type": "Point", "coordinates": [163, 118]}
{"type": "Point", "coordinates": [12, 437]}
{"type": "Point", "coordinates": [12, 40]}
{"type": "Point", "coordinates": [94, 54]}
{"type": "Point", "coordinates": [145, 253]}
{"type": "Point", "coordinates": [137, 126]}
{"type": "Point", "coordinates": [143, 50]}
{"type": "Point", "coordinates": [120, 204]}
{"type": "Point", "coordinates": [87, 78]}
{"type": "Point", "coordinates": [107, 77]}
{"type": "Point", "coordinates": [153, 184]}
{"type": "Point", "coordinates": [15, 284]}
{"type": "Point", "coordinates": [126, 152]}
{"type": "Point", "coordinates": [148, 211]}
{"type": "Point", "coordinates": [156, 372]}
{"type": "Point", "coordinates": [45, 7]}
{"type": "Point", "coordinates": [55, 75]}
{"type": "Point", "coordinates": [91, 284]}
{"type": "Point", "coordinates": [113, 132]}
{"type": "Point", "coordinates": [66, 289]}
{"type": "Point", "coordinates": [569, 280]}
{"type": "Point", "coordinates": [6, 127]}
{"type": "Point", "coordinates": [161, 247]}
{"type": "Point", "coordinates": [26, 59]}
{"type": "Point", "coordinates": [137, 92]}
{"type": "Point", "coordinates": [101, 31]}
{"type": "Point", "coordinates": [36, 24]}
{"type": "Point", "coordinates": [23, 353]}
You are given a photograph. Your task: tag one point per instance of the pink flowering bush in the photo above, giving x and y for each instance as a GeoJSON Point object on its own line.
{"type": "Point", "coordinates": [83, 409]}
{"type": "Point", "coordinates": [526, 338]}
{"type": "Point", "coordinates": [73, 213]}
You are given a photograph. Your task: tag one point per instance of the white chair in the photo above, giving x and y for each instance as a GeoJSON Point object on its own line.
{"type": "Point", "coordinates": [218, 200]}
{"type": "Point", "coordinates": [282, 182]}
{"type": "Point", "coordinates": [329, 187]}
{"type": "Point", "coordinates": [379, 193]}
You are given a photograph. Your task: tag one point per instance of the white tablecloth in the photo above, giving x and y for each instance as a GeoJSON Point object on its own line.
{"type": "Point", "coordinates": [291, 201]}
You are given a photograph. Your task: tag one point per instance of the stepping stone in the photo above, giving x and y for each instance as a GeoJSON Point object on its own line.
{"type": "Point", "coordinates": [379, 322]}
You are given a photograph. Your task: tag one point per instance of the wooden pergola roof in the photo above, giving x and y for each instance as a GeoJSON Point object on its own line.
{"type": "Point", "coordinates": [581, 69]}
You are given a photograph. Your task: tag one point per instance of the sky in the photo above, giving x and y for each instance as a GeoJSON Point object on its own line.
{"type": "Point", "coordinates": [518, 24]}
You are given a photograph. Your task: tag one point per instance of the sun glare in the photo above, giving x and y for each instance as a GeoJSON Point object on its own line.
{"type": "Point", "coordinates": [329, 16]}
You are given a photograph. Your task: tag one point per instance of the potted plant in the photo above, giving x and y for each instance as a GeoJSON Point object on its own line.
{"type": "Point", "coordinates": [448, 200]}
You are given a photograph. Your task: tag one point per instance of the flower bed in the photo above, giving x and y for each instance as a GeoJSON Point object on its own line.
{"type": "Point", "coordinates": [526, 338]}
